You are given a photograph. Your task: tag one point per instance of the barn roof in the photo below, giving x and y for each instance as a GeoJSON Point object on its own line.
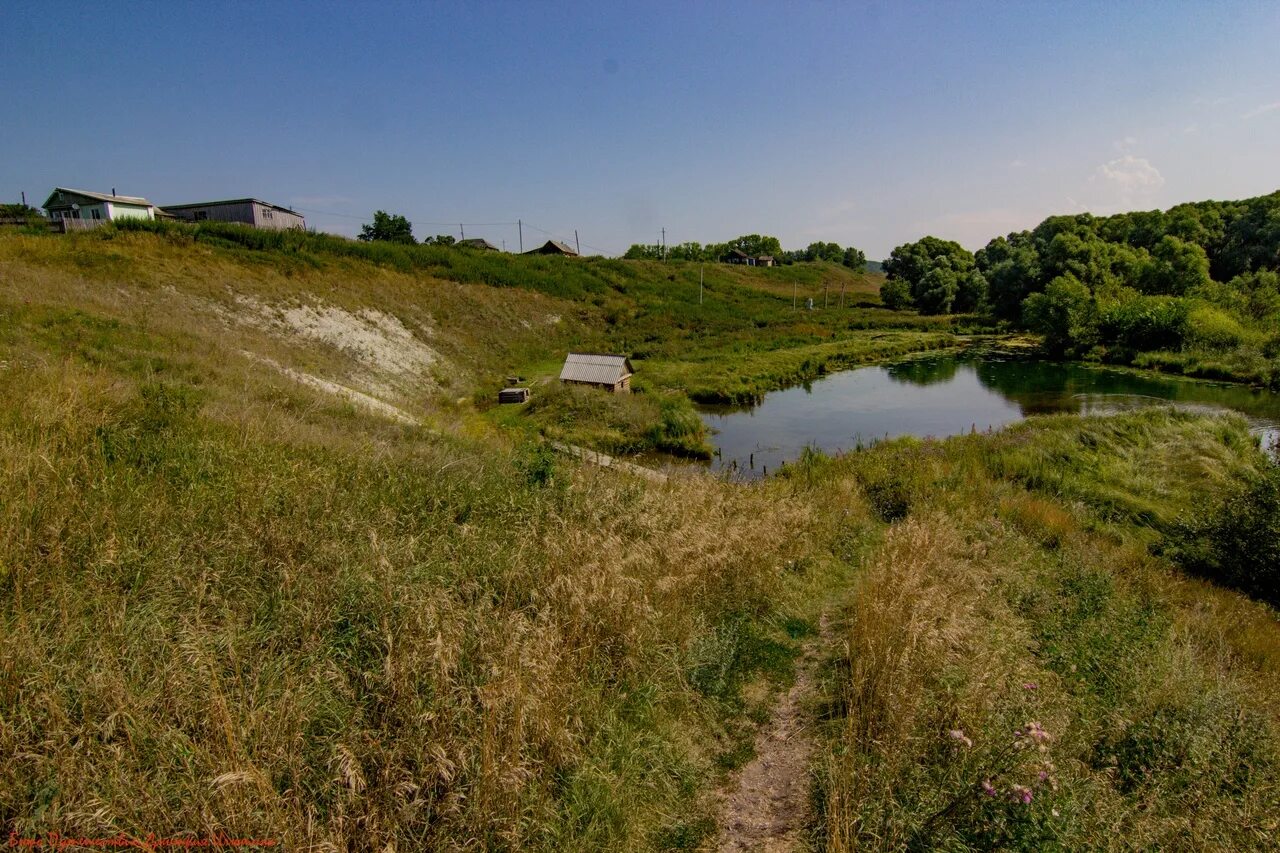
{"type": "Point", "coordinates": [55, 201]}
{"type": "Point", "coordinates": [232, 201]}
{"type": "Point", "coordinates": [595, 368]}
{"type": "Point", "coordinates": [552, 247]}
{"type": "Point", "coordinates": [478, 243]}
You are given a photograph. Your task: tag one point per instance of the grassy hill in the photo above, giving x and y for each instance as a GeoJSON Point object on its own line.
{"type": "Point", "coordinates": [270, 566]}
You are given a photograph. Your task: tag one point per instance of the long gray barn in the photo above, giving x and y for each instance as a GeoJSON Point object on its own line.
{"type": "Point", "coordinates": [246, 211]}
{"type": "Point", "coordinates": [611, 372]}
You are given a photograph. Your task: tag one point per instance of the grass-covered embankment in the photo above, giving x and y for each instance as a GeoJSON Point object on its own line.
{"type": "Point", "coordinates": [235, 599]}
{"type": "Point", "coordinates": [1018, 670]}
{"type": "Point", "coordinates": [228, 606]}
{"type": "Point", "coordinates": [490, 315]}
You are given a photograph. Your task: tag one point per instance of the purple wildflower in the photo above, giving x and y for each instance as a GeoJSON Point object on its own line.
{"type": "Point", "coordinates": [988, 788]}
{"type": "Point", "coordinates": [959, 735]}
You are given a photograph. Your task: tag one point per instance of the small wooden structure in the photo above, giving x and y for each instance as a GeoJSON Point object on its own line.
{"type": "Point", "coordinates": [737, 256]}
{"type": "Point", "coordinates": [600, 370]}
{"type": "Point", "coordinates": [553, 247]}
{"type": "Point", "coordinates": [513, 395]}
{"type": "Point", "coordinates": [478, 243]}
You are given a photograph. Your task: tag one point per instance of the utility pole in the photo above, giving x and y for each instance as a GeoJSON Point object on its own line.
{"type": "Point", "coordinates": [462, 231]}
{"type": "Point", "coordinates": [576, 244]}
{"type": "Point", "coordinates": [504, 245]}
{"type": "Point", "coordinates": [664, 243]}
{"type": "Point", "coordinates": [520, 225]}
{"type": "Point", "coordinates": [24, 198]}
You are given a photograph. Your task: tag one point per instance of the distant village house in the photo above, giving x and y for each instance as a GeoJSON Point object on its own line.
{"type": "Point", "coordinates": [246, 211]}
{"type": "Point", "coordinates": [553, 247]}
{"type": "Point", "coordinates": [610, 372]}
{"type": "Point", "coordinates": [80, 209]}
{"type": "Point", "coordinates": [737, 256]}
{"type": "Point", "coordinates": [478, 243]}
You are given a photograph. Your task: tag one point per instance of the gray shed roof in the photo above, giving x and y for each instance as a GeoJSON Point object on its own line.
{"type": "Point", "coordinates": [54, 201]}
{"type": "Point", "coordinates": [232, 201]}
{"type": "Point", "coordinates": [478, 243]}
{"type": "Point", "coordinates": [595, 368]}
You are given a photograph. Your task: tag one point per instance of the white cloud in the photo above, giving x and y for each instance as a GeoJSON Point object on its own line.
{"type": "Point", "coordinates": [1130, 175]}
{"type": "Point", "coordinates": [1125, 144]}
{"type": "Point", "coordinates": [1261, 110]}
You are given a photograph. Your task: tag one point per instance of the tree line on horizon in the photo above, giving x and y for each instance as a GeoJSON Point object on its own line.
{"type": "Point", "coordinates": [754, 245]}
{"type": "Point", "coordinates": [394, 228]}
{"type": "Point", "coordinates": [1203, 274]}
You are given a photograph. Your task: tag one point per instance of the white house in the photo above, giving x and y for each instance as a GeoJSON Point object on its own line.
{"type": "Point", "coordinates": [86, 208]}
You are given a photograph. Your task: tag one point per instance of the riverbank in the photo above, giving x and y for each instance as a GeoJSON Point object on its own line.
{"type": "Point", "coordinates": [951, 393]}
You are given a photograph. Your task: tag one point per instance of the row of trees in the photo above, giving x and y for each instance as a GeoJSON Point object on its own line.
{"type": "Point", "coordinates": [754, 245]}
{"type": "Point", "coordinates": [1203, 274]}
{"type": "Point", "coordinates": [393, 228]}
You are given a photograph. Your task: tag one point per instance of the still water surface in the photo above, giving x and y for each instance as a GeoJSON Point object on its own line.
{"type": "Point", "coordinates": [949, 395]}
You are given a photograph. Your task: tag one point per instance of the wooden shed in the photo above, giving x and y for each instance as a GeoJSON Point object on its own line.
{"type": "Point", "coordinates": [610, 372]}
{"type": "Point", "coordinates": [513, 395]}
{"type": "Point", "coordinates": [478, 243]}
{"type": "Point", "coordinates": [553, 247]}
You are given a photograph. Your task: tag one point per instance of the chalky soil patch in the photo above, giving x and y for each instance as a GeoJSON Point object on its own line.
{"type": "Point", "coordinates": [766, 805]}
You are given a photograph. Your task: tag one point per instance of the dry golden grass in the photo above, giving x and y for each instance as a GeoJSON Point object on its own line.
{"type": "Point", "coordinates": [989, 609]}
{"type": "Point", "coordinates": [352, 642]}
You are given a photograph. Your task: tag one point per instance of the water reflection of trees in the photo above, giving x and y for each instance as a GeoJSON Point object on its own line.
{"type": "Point", "coordinates": [924, 371]}
{"type": "Point", "coordinates": [1047, 387]}
{"type": "Point", "coordinates": [1038, 387]}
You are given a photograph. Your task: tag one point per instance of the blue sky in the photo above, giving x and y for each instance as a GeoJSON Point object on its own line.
{"type": "Point", "coordinates": [864, 123]}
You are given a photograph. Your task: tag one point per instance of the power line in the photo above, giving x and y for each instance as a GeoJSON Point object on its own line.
{"type": "Point", "coordinates": [566, 240]}
{"type": "Point", "coordinates": [519, 223]}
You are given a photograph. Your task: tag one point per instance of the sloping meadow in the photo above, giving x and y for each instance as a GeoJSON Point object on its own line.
{"type": "Point", "coordinates": [1019, 671]}
{"type": "Point", "coordinates": [357, 637]}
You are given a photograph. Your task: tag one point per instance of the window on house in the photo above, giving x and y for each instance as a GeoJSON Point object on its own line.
{"type": "Point", "coordinates": [97, 214]}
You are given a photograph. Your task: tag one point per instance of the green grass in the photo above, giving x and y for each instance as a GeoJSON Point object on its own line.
{"type": "Point", "coordinates": [1018, 585]}
{"type": "Point", "coordinates": [232, 601]}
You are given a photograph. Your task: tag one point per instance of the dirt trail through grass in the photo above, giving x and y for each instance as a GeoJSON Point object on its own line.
{"type": "Point", "coordinates": [766, 805]}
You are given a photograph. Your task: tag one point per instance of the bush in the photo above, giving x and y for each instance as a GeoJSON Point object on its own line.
{"type": "Point", "coordinates": [1238, 542]}
{"type": "Point", "coordinates": [1145, 323]}
{"type": "Point", "coordinates": [1213, 328]}
{"type": "Point", "coordinates": [896, 294]}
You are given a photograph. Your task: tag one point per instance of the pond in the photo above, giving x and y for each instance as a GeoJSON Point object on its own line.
{"type": "Point", "coordinates": [951, 394]}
